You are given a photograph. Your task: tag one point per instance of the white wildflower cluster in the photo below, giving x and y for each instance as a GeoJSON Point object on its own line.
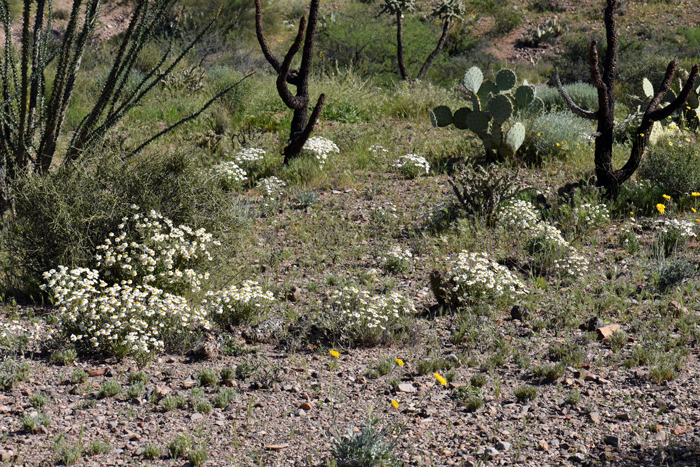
{"type": "Point", "coordinates": [476, 277]}
{"type": "Point", "coordinates": [377, 149]}
{"type": "Point", "coordinates": [272, 186]}
{"type": "Point", "coordinates": [321, 148]}
{"type": "Point", "coordinates": [521, 218]}
{"type": "Point", "coordinates": [397, 260]}
{"type": "Point", "coordinates": [412, 165]}
{"type": "Point", "coordinates": [236, 305]}
{"type": "Point", "coordinates": [676, 227]}
{"type": "Point", "coordinates": [249, 158]}
{"type": "Point", "coordinates": [367, 316]}
{"type": "Point", "coordinates": [229, 174]}
{"type": "Point", "coordinates": [15, 336]}
{"type": "Point", "coordinates": [133, 299]}
{"type": "Point", "coordinates": [592, 216]}
{"type": "Point", "coordinates": [572, 266]}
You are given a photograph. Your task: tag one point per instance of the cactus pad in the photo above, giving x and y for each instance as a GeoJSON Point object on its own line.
{"type": "Point", "coordinates": [523, 96]}
{"type": "Point", "coordinates": [515, 136]}
{"type": "Point", "coordinates": [669, 97]}
{"type": "Point", "coordinates": [500, 108]}
{"type": "Point", "coordinates": [460, 118]}
{"type": "Point", "coordinates": [478, 122]}
{"type": "Point", "coordinates": [536, 106]}
{"type": "Point", "coordinates": [441, 116]}
{"type": "Point", "coordinates": [476, 105]}
{"type": "Point", "coordinates": [648, 88]}
{"type": "Point", "coordinates": [693, 100]}
{"type": "Point", "coordinates": [472, 79]}
{"type": "Point", "coordinates": [487, 87]}
{"type": "Point", "coordinates": [496, 134]}
{"type": "Point", "coordinates": [505, 80]}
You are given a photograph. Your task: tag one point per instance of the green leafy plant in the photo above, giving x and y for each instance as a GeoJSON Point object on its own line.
{"type": "Point", "coordinates": [78, 376]}
{"type": "Point", "coordinates": [12, 372]}
{"type": "Point", "coordinates": [673, 272]}
{"type": "Point", "coordinates": [64, 357]}
{"type": "Point", "coordinates": [224, 397]}
{"type": "Point", "coordinates": [370, 447]}
{"type": "Point", "coordinates": [152, 452]}
{"type": "Point", "coordinates": [470, 396]}
{"type": "Point", "coordinates": [68, 453]}
{"type": "Point", "coordinates": [198, 456]}
{"type": "Point", "coordinates": [525, 392]}
{"type": "Point", "coordinates": [179, 446]}
{"type": "Point", "coordinates": [38, 400]}
{"type": "Point", "coordinates": [207, 377]}
{"type": "Point", "coordinates": [109, 388]}
{"type": "Point", "coordinates": [31, 423]}
{"type": "Point", "coordinates": [98, 446]}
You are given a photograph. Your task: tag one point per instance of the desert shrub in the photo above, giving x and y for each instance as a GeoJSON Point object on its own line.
{"type": "Point", "coordinates": [548, 373]}
{"type": "Point", "coordinates": [155, 261]}
{"type": "Point", "coordinates": [397, 260]}
{"type": "Point", "coordinates": [555, 136]}
{"type": "Point", "coordinates": [525, 392]}
{"type": "Point", "coordinates": [233, 306]}
{"type": "Point", "coordinates": [30, 423]}
{"type": "Point", "coordinates": [63, 216]}
{"type": "Point", "coordinates": [584, 95]}
{"type": "Point", "coordinates": [12, 372]}
{"type": "Point", "coordinates": [320, 148]}
{"type": "Point", "coordinates": [78, 376]}
{"type": "Point", "coordinates": [198, 456]}
{"type": "Point", "coordinates": [207, 377]}
{"type": "Point", "coordinates": [136, 390]}
{"type": "Point", "coordinates": [229, 175]}
{"type": "Point", "coordinates": [672, 235]}
{"type": "Point", "coordinates": [64, 357]}
{"type": "Point", "coordinates": [179, 446]}
{"type": "Point", "coordinates": [109, 388]}
{"type": "Point", "coordinates": [152, 452]}
{"type": "Point", "coordinates": [364, 319]}
{"type": "Point", "coordinates": [98, 446]}
{"type": "Point", "coordinates": [628, 240]}
{"type": "Point", "coordinates": [470, 396]}
{"type": "Point", "coordinates": [672, 273]}
{"type": "Point", "coordinates": [673, 165]}
{"type": "Point", "coordinates": [223, 398]}
{"type": "Point", "coordinates": [367, 448]}
{"type": "Point", "coordinates": [639, 198]}
{"type": "Point", "coordinates": [412, 166]}
{"type": "Point", "coordinates": [15, 337]}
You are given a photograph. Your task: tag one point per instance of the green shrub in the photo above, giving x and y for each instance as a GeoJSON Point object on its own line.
{"type": "Point", "coordinates": [556, 136]}
{"type": "Point", "coordinates": [67, 453]}
{"type": "Point", "coordinates": [673, 165]}
{"type": "Point", "coordinates": [203, 407]}
{"type": "Point", "coordinates": [629, 241]}
{"type": "Point", "coordinates": [471, 396]}
{"type": "Point", "coordinates": [548, 373]}
{"type": "Point", "coordinates": [672, 273]}
{"type": "Point", "coordinates": [234, 306]}
{"type": "Point", "coordinates": [574, 397]}
{"type": "Point", "coordinates": [136, 390]}
{"type": "Point", "coordinates": [152, 452]}
{"type": "Point", "coordinates": [139, 377]}
{"type": "Point", "coordinates": [525, 392]}
{"type": "Point", "coordinates": [31, 423]}
{"type": "Point", "coordinates": [12, 372]}
{"type": "Point", "coordinates": [98, 446]}
{"type": "Point", "coordinates": [478, 381]}
{"type": "Point", "coordinates": [207, 377]}
{"type": "Point", "coordinates": [38, 400]}
{"type": "Point", "coordinates": [198, 456]}
{"type": "Point", "coordinates": [109, 388]}
{"type": "Point", "coordinates": [170, 403]}
{"type": "Point", "coordinates": [224, 398]}
{"type": "Point", "coordinates": [370, 447]}
{"type": "Point", "coordinates": [64, 357]}
{"type": "Point", "coordinates": [179, 446]}
{"type": "Point", "coordinates": [227, 374]}
{"type": "Point", "coordinates": [78, 376]}
{"type": "Point", "coordinates": [584, 95]}
{"type": "Point", "coordinates": [618, 340]}
{"type": "Point", "coordinates": [63, 216]}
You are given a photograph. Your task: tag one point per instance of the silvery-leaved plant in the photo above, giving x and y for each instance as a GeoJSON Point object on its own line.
{"type": "Point", "coordinates": [272, 186]}
{"type": "Point", "coordinates": [476, 277]}
{"type": "Point", "coordinates": [412, 165]}
{"type": "Point", "coordinates": [133, 301]}
{"type": "Point", "coordinates": [321, 148]}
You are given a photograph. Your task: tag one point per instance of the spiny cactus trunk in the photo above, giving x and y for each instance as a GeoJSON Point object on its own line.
{"type": "Point", "coordinates": [607, 177]}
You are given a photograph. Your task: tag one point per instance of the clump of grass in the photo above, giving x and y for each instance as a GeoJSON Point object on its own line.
{"type": "Point", "coordinates": [198, 456]}
{"type": "Point", "coordinates": [478, 381]}
{"type": "Point", "coordinates": [574, 397]}
{"type": "Point", "coordinates": [549, 373]}
{"type": "Point", "coordinates": [471, 396]}
{"type": "Point", "coordinates": [227, 374]}
{"type": "Point", "coordinates": [170, 403]}
{"type": "Point", "coordinates": [68, 453]}
{"type": "Point", "coordinates": [207, 377]}
{"type": "Point", "coordinates": [224, 398]}
{"type": "Point", "coordinates": [152, 452]}
{"type": "Point", "coordinates": [38, 400]}
{"type": "Point", "coordinates": [12, 372]}
{"type": "Point", "coordinates": [139, 377]}
{"type": "Point", "coordinates": [97, 447]}
{"type": "Point", "coordinates": [136, 390]}
{"type": "Point", "coordinates": [380, 368]}
{"type": "Point", "coordinates": [673, 272]}
{"type": "Point", "coordinates": [525, 392]}
{"type": "Point", "coordinates": [31, 423]}
{"type": "Point", "coordinates": [109, 388]}
{"type": "Point", "coordinates": [371, 446]}
{"type": "Point", "coordinates": [618, 340]}
{"type": "Point", "coordinates": [434, 365]}
{"type": "Point", "coordinates": [179, 446]}
{"type": "Point", "coordinates": [64, 357]}
{"type": "Point", "coordinates": [78, 376]}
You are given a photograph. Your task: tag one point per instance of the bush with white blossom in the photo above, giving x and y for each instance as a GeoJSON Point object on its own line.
{"type": "Point", "coordinates": [364, 317]}
{"type": "Point", "coordinates": [672, 234]}
{"type": "Point", "coordinates": [229, 174]}
{"type": "Point", "coordinates": [397, 260]}
{"type": "Point", "coordinates": [412, 165]}
{"type": "Point", "coordinates": [249, 159]}
{"type": "Point", "coordinates": [133, 303]}
{"type": "Point", "coordinates": [590, 216]}
{"type": "Point", "coordinates": [233, 305]}
{"type": "Point", "coordinates": [476, 277]}
{"type": "Point", "coordinates": [273, 187]}
{"type": "Point", "coordinates": [321, 148]}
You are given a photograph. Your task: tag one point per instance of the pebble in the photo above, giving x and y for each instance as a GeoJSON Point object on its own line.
{"type": "Point", "coordinates": [196, 417]}
{"type": "Point", "coordinates": [407, 387]}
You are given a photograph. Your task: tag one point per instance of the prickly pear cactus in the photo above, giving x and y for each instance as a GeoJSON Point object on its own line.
{"type": "Point", "coordinates": [493, 106]}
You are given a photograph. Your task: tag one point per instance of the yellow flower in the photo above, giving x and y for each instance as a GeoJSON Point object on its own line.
{"type": "Point", "coordinates": [693, 209]}
{"type": "Point", "coordinates": [661, 208]}
{"type": "Point", "coordinates": [440, 379]}
{"type": "Point", "coordinates": [538, 133]}
{"type": "Point", "coordinates": [399, 362]}
{"type": "Point", "coordinates": [641, 134]}
{"type": "Point", "coordinates": [695, 193]}
{"type": "Point", "coordinates": [666, 196]}
{"type": "Point", "coordinates": [557, 144]}
{"type": "Point", "coordinates": [395, 404]}
{"type": "Point", "coordinates": [697, 220]}
{"type": "Point", "coordinates": [334, 354]}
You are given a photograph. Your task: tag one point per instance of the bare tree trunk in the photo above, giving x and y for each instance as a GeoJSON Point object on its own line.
{"type": "Point", "coordinates": [399, 45]}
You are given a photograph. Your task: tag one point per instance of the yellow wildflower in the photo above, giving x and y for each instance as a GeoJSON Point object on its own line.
{"type": "Point", "coordinates": [440, 379]}
{"type": "Point", "coordinates": [666, 196]}
{"type": "Point", "coordinates": [399, 362]}
{"type": "Point", "coordinates": [395, 404]}
{"type": "Point", "coordinates": [661, 208]}
{"type": "Point", "coordinates": [334, 353]}
{"type": "Point", "coordinates": [693, 209]}
{"type": "Point", "coordinates": [695, 193]}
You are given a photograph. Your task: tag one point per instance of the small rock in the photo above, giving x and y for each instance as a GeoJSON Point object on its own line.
{"type": "Point", "coordinates": [577, 457]}
{"type": "Point", "coordinates": [491, 452]}
{"type": "Point", "coordinates": [407, 387]}
{"type": "Point", "coordinates": [610, 440]}
{"type": "Point", "coordinates": [452, 358]}
{"type": "Point", "coordinates": [171, 359]}
{"type": "Point", "coordinates": [7, 456]}
{"type": "Point", "coordinates": [595, 418]}
{"type": "Point", "coordinates": [624, 416]}
{"type": "Point", "coordinates": [300, 413]}
{"type": "Point", "coordinates": [594, 323]}
{"type": "Point", "coordinates": [161, 392]}
{"type": "Point", "coordinates": [606, 331]}
{"type": "Point", "coordinates": [293, 294]}
{"type": "Point", "coordinates": [196, 417]}
{"type": "Point", "coordinates": [520, 313]}
{"type": "Point", "coordinates": [503, 446]}
{"type": "Point", "coordinates": [276, 447]}
{"type": "Point", "coordinates": [98, 372]}
{"type": "Point", "coordinates": [679, 430]}
{"type": "Point", "coordinates": [135, 436]}
{"type": "Point", "coordinates": [306, 406]}
{"type": "Point", "coordinates": [661, 436]}
{"type": "Point", "coordinates": [361, 380]}
{"type": "Point", "coordinates": [590, 377]}
{"type": "Point", "coordinates": [189, 383]}
{"type": "Point", "coordinates": [445, 452]}
{"type": "Point", "coordinates": [542, 445]}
